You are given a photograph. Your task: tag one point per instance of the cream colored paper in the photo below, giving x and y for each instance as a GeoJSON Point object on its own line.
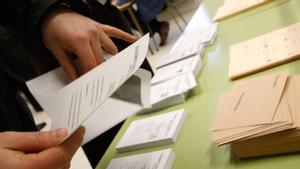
{"type": "Point", "coordinates": [264, 51]}
{"type": "Point", "coordinates": [234, 7]}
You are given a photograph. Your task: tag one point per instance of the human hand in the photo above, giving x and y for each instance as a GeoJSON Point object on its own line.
{"type": "Point", "coordinates": [38, 150]}
{"type": "Point", "coordinates": [65, 32]}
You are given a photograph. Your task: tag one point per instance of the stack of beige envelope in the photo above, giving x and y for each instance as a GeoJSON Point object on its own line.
{"type": "Point", "coordinates": [259, 116]}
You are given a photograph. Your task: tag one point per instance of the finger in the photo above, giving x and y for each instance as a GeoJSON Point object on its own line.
{"type": "Point", "coordinates": [66, 63]}
{"type": "Point", "coordinates": [56, 157]}
{"type": "Point", "coordinates": [117, 33]}
{"type": "Point", "coordinates": [67, 166]}
{"type": "Point", "coordinates": [97, 50]}
{"type": "Point", "coordinates": [32, 141]}
{"type": "Point", "coordinates": [85, 55]}
{"type": "Point", "coordinates": [71, 144]}
{"type": "Point", "coordinates": [107, 43]}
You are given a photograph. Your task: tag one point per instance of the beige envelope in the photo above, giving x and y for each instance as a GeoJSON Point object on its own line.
{"type": "Point", "coordinates": [282, 121]}
{"type": "Point", "coordinates": [296, 99]}
{"type": "Point", "coordinates": [250, 103]}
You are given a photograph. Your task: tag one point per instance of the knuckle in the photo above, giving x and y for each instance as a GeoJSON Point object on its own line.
{"type": "Point", "coordinates": [89, 66]}
{"type": "Point", "coordinates": [80, 38]}
{"type": "Point", "coordinates": [39, 138]}
{"type": "Point", "coordinates": [93, 31]}
{"type": "Point", "coordinates": [113, 29]}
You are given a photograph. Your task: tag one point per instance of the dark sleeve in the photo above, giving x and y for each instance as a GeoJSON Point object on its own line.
{"type": "Point", "coordinates": [13, 116]}
{"type": "Point", "coordinates": [26, 15]}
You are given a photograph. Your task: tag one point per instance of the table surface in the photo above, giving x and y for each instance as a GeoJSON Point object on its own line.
{"type": "Point", "coordinates": [194, 148]}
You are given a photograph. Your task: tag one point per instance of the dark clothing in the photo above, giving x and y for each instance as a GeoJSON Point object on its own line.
{"type": "Point", "coordinates": [20, 47]}
{"type": "Point", "coordinates": [23, 56]}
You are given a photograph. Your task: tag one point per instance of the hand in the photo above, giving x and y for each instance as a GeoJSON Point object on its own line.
{"type": "Point", "coordinates": [38, 150]}
{"type": "Point", "coordinates": [65, 32]}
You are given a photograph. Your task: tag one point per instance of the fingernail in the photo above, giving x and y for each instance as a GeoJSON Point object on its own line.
{"type": "Point", "coordinates": [60, 134]}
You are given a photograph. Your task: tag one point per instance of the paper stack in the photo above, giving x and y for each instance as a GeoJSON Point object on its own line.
{"type": "Point", "coordinates": [163, 159]}
{"type": "Point", "coordinates": [260, 116]}
{"type": "Point", "coordinates": [193, 64]}
{"type": "Point", "coordinates": [152, 131]}
{"type": "Point", "coordinates": [170, 92]}
{"type": "Point", "coordinates": [234, 7]}
{"type": "Point", "coordinates": [263, 52]}
{"type": "Point", "coordinates": [190, 44]}
{"type": "Point", "coordinates": [176, 72]}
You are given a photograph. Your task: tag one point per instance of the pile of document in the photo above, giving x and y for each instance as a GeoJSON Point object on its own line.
{"type": "Point", "coordinates": [190, 44]}
{"type": "Point", "coordinates": [260, 116]}
{"type": "Point", "coordinates": [177, 72]}
{"type": "Point", "coordinates": [234, 7]}
{"type": "Point", "coordinates": [149, 132]}
{"type": "Point", "coordinates": [152, 131]}
{"type": "Point", "coordinates": [170, 84]}
{"type": "Point", "coordinates": [163, 159]}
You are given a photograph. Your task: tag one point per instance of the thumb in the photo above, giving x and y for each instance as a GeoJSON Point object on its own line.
{"type": "Point", "coordinates": [31, 142]}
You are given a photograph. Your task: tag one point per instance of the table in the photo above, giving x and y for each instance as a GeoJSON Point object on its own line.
{"type": "Point", "coordinates": [194, 148]}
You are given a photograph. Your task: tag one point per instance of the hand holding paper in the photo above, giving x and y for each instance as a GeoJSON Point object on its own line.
{"type": "Point", "coordinates": [69, 105]}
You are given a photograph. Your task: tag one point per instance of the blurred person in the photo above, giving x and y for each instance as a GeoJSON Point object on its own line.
{"type": "Point", "coordinates": [146, 14]}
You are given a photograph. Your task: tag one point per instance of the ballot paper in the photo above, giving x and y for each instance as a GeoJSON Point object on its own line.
{"type": "Point", "coordinates": [172, 87]}
{"type": "Point", "coordinates": [234, 7]}
{"type": "Point", "coordinates": [263, 52]}
{"type": "Point", "coordinates": [69, 105]}
{"type": "Point", "coordinates": [190, 44]}
{"type": "Point", "coordinates": [118, 108]}
{"type": "Point", "coordinates": [152, 131]}
{"type": "Point", "coordinates": [207, 34]}
{"type": "Point", "coordinates": [193, 64]}
{"type": "Point", "coordinates": [162, 159]}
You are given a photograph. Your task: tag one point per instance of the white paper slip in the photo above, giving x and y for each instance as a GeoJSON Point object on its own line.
{"type": "Point", "coordinates": [172, 87]}
{"type": "Point", "coordinates": [193, 64]}
{"type": "Point", "coordinates": [187, 46]}
{"type": "Point", "coordinates": [190, 44]}
{"type": "Point", "coordinates": [152, 131]}
{"type": "Point", "coordinates": [119, 107]}
{"type": "Point", "coordinates": [208, 34]}
{"type": "Point", "coordinates": [163, 159]}
{"type": "Point", "coordinates": [69, 105]}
